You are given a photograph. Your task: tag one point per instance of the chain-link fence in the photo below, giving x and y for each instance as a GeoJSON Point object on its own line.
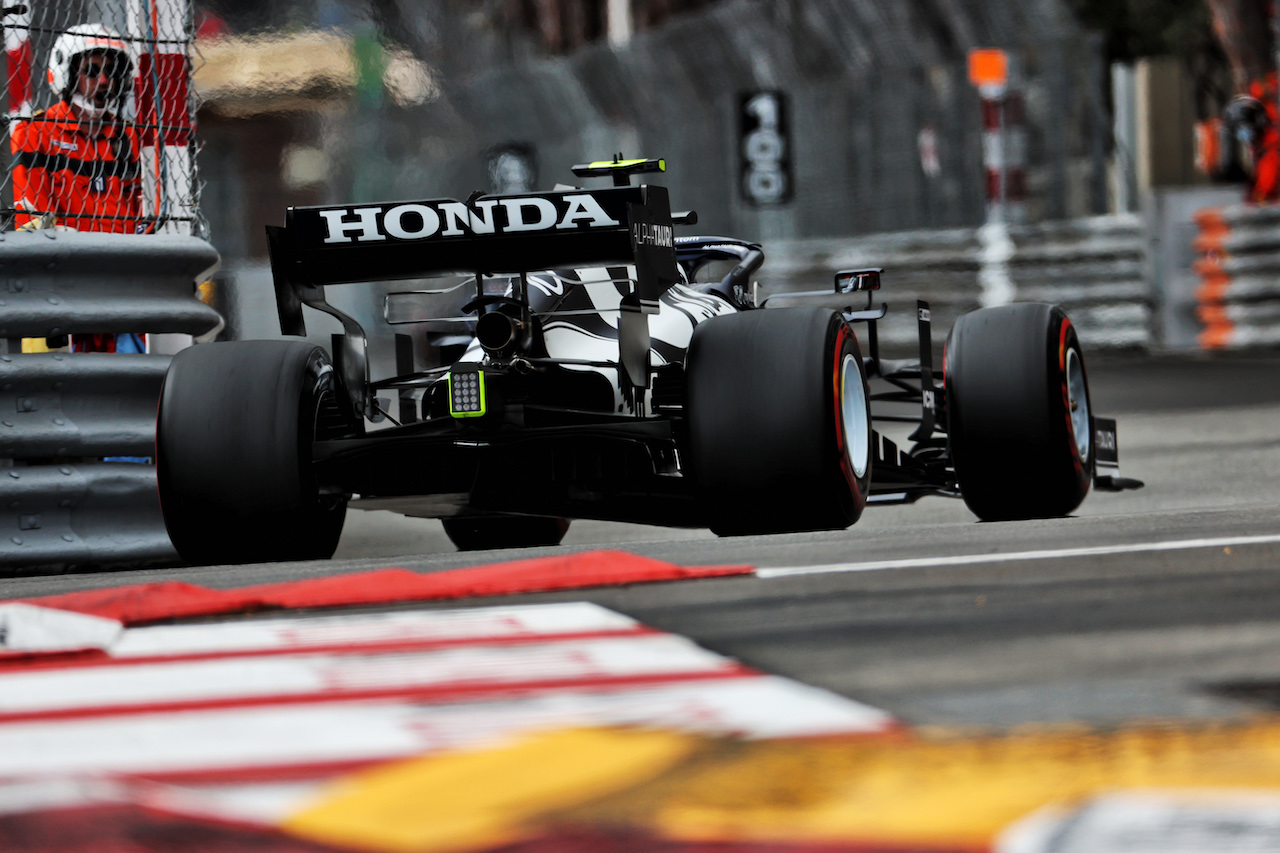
{"type": "Point", "coordinates": [874, 125]}
{"type": "Point", "coordinates": [879, 127]}
{"type": "Point", "coordinates": [99, 117]}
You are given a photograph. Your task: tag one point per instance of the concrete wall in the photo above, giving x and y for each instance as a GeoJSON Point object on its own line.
{"type": "Point", "coordinates": [1165, 124]}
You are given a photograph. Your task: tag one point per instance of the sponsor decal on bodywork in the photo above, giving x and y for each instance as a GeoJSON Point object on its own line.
{"type": "Point", "coordinates": [443, 218]}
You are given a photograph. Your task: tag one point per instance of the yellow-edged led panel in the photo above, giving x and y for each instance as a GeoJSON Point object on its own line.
{"type": "Point", "coordinates": [466, 394]}
{"type": "Point", "coordinates": [622, 164]}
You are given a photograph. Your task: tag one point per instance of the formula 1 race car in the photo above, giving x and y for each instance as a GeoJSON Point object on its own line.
{"type": "Point", "coordinates": [598, 371]}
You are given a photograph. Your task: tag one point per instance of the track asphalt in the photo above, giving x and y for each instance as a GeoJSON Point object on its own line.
{"type": "Point", "coordinates": [1105, 682]}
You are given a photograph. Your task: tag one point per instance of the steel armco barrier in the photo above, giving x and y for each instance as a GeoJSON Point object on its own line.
{"type": "Point", "coordinates": [1238, 262]}
{"type": "Point", "coordinates": [61, 412]}
{"type": "Point", "coordinates": [1095, 268]}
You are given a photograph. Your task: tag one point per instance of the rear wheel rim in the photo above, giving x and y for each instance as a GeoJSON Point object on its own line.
{"type": "Point", "coordinates": [1078, 403]}
{"type": "Point", "coordinates": [853, 416]}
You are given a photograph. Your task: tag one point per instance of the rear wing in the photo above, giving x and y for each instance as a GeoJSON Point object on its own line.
{"type": "Point", "coordinates": [486, 235]}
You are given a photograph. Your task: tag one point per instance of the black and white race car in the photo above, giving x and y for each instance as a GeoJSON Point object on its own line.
{"type": "Point", "coordinates": [596, 370]}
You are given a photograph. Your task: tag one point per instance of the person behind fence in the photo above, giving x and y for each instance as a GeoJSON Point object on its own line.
{"type": "Point", "coordinates": [76, 164]}
{"type": "Point", "coordinates": [1251, 119]}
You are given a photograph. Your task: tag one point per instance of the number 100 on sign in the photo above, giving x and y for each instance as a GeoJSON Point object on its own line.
{"type": "Point", "coordinates": [765, 148]}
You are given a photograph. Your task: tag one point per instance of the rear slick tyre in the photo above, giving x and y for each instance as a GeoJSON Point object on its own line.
{"type": "Point", "coordinates": [233, 453]}
{"type": "Point", "coordinates": [779, 424]}
{"type": "Point", "coordinates": [1019, 419]}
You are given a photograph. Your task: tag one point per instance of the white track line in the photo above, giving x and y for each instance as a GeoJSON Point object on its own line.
{"type": "Point", "coordinates": [972, 559]}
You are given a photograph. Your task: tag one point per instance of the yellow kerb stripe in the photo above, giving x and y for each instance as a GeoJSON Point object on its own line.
{"type": "Point", "coordinates": [474, 800]}
{"type": "Point", "coordinates": [953, 793]}
{"type": "Point", "coordinates": [942, 791]}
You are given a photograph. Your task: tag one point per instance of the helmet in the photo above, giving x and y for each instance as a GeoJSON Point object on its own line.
{"type": "Point", "coordinates": [70, 48]}
{"type": "Point", "coordinates": [1246, 117]}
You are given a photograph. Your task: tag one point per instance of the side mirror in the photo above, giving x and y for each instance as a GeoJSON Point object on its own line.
{"type": "Point", "coordinates": [858, 281]}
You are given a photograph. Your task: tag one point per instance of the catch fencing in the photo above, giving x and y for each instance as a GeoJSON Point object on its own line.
{"type": "Point", "coordinates": [874, 123]}
{"type": "Point", "coordinates": [155, 110]}
{"type": "Point", "coordinates": [62, 413]}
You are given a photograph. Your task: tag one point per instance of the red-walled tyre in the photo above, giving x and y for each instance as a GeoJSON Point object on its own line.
{"type": "Point", "coordinates": [779, 424]}
{"type": "Point", "coordinates": [1019, 423]}
{"type": "Point", "coordinates": [233, 453]}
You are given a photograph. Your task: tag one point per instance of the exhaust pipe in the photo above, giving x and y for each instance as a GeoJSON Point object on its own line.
{"type": "Point", "coordinates": [499, 334]}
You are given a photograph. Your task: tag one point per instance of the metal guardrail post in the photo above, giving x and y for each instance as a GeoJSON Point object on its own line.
{"type": "Point", "coordinates": [61, 413]}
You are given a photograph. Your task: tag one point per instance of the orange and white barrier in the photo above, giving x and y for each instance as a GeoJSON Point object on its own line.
{"type": "Point", "coordinates": [1238, 263]}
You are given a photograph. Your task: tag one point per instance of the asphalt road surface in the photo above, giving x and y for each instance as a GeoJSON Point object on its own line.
{"type": "Point", "coordinates": [1159, 604]}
